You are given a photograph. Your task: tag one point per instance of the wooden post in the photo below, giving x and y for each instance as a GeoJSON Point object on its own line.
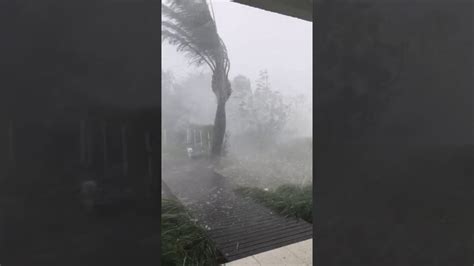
{"type": "Point", "coordinates": [200, 137]}
{"type": "Point", "coordinates": [83, 141]}
{"type": "Point", "coordinates": [188, 137]}
{"type": "Point", "coordinates": [11, 147]}
{"type": "Point", "coordinates": [104, 145]}
{"type": "Point", "coordinates": [209, 141]}
{"type": "Point", "coordinates": [124, 150]}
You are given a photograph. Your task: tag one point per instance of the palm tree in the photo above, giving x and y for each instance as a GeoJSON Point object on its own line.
{"type": "Point", "coordinates": [190, 26]}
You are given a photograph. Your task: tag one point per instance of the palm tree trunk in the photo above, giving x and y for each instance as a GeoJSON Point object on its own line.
{"type": "Point", "coordinates": [222, 90]}
{"type": "Point", "coordinates": [219, 129]}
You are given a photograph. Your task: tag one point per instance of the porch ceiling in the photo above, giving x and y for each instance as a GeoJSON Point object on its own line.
{"type": "Point", "coordinates": [302, 9]}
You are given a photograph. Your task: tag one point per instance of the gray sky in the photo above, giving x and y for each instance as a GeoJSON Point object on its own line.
{"type": "Point", "coordinates": [256, 40]}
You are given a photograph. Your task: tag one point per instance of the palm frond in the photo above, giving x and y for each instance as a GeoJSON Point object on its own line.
{"type": "Point", "coordinates": [189, 38]}
{"type": "Point", "coordinates": [190, 51]}
{"type": "Point", "coordinates": [189, 25]}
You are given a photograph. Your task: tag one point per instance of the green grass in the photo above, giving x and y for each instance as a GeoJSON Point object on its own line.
{"type": "Point", "coordinates": [287, 200]}
{"type": "Point", "coordinates": [183, 242]}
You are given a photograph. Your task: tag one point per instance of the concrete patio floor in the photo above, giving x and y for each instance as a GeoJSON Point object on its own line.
{"type": "Point", "coordinates": [300, 253]}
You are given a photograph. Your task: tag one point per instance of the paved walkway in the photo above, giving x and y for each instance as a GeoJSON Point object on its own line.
{"type": "Point", "coordinates": [300, 253]}
{"type": "Point", "coordinates": [238, 226]}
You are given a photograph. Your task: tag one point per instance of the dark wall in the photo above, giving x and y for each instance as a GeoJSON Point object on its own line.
{"type": "Point", "coordinates": [435, 105]}
{"type": "Point", "coordinates": [430, 101]}
{"type": "Point", "coordinates": [60, 57]}
{"type": "Point", "coordinates": [54, 51]}
{"type": "Point", "coordinates": [402, 197]}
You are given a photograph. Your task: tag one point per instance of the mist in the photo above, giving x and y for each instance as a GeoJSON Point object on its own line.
{"type": "Point", "coordinates": [254, 44]}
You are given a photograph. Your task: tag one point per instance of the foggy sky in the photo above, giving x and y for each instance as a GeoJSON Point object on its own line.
{"type": "Point", "coordinates": [257, 39]}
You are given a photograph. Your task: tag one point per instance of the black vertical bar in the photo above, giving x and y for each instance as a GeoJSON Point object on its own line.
{"type": "Point", "coordinates": [11, 146]}
{"type": "Point", "coordinates": [124, 150]}
{"type": "Point", "coordinates": [104, 143]}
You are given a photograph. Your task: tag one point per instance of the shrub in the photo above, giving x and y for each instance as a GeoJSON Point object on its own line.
{"type": "Point", "coordinates": [289, 200]}
{"type": "Point", "coordinates": [183, 241]}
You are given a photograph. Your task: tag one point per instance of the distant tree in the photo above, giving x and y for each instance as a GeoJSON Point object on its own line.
{"type": "Point", "coordinates": [242, 87]}
{"type": "Point", "coordinates": [241, 94]}
{"type": "Point", "coordinates": [299, 121]}
{"type": "Point", "coordinates": [190, 26]}
{"type": "Point", "coordinates": [265, 112]}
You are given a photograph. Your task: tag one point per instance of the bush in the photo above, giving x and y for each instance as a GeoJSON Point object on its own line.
{"type": "Point", "coordinates": [287, 200]}
{"type": "Point", "coordinates": [183, 242]}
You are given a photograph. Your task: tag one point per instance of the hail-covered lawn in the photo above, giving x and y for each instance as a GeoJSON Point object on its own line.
{"type": "Point", "coordinates": [289, 163]}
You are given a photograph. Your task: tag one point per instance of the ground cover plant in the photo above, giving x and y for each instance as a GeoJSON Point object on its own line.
{"type": "Point", "coordinates": [183, 241]}
{"type": "Point", "coordinates": [288, 200]}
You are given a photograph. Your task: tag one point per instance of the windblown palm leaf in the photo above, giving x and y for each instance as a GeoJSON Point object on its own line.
{"type": "Point", "coordinates": [190, 26]}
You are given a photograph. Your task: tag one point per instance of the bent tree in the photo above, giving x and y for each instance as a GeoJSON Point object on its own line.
{"type": "Point", "coordinates": [189, 25]}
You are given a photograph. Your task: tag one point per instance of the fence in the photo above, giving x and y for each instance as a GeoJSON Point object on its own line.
{"type": "Point", "coordinates": [197, 137]}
